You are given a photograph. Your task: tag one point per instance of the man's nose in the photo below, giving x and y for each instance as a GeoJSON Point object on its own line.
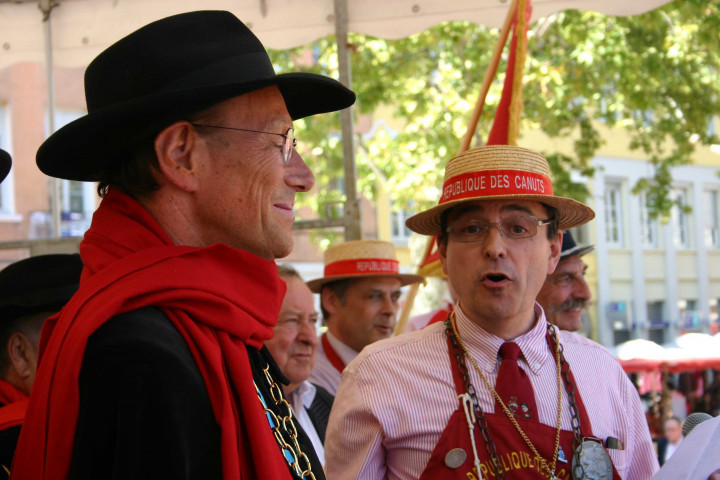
{"type": "Point", "coordinates": [494, 242]}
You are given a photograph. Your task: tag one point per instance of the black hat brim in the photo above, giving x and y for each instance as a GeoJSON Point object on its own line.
{"type": "Point", "coordinates": [82, 149]}
{"type": "Point", "coordinates": [5, 164]}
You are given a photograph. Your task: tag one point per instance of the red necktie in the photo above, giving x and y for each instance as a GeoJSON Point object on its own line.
{"type": "Point", "coordinates": [513, 384]}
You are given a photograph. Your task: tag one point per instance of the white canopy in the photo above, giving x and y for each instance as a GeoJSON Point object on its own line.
{"type": "Point", "coordinates": [83, 28]}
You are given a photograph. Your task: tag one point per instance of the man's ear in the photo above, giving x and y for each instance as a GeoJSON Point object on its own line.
{"type": "Point", "coordinates": [442, 253]}
{"type": "Point", "coordinates": [329, 300]}
{"type": "Point", "coordinates": [21, 354]}
{"type": "Point", "coordinates": [555, 250]}
{"type": "Point", "coordinates": [176, 150]}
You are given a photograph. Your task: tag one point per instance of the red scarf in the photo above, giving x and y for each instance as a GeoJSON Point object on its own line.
{"type": "Point", "coordinates": [219, 298]}
{"type": "Point", "coordinates": [15, 403]}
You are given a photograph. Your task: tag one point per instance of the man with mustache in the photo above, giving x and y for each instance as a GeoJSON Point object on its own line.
{"type": "Point", "coordinates": [359, 297]}
{"type": "Point", "coordinates": [565, 293]}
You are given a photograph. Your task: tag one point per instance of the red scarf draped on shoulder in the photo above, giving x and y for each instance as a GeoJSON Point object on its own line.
{"type": "Point", "coordinates": [219, 298]}
{"type": "Point", "coordinates": [14, 402]}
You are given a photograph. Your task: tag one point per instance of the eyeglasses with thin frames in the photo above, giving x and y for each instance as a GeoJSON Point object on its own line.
{"type": "Point", "coordinates": [514, 228]}
{"type": "Point", "coordinates": [289, 140]}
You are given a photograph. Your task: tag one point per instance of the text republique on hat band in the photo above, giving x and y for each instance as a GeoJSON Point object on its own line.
{"type": "Point", "coordinates": [495, 182]}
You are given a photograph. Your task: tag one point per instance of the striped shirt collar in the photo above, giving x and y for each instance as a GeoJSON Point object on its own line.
{"type": "Point", "coordinates": [484, 346]}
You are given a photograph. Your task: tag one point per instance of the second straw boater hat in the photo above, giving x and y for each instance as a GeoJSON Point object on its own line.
{"type": "Point", "coordinates": [498, 172]}
{"type": "Point", "coordinates": [358, 259]}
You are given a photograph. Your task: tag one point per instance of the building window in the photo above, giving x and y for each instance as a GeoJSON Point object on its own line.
{"type": "Point", "coordinates": [613, 215]}
{"type": "Point", "coordinates": [681, 219]}
{"type": "Point", "coordinates": [655, 313]}
{"type": "Point", "coordinates": [77, 199]}
{"type": "Point", "coordinates": [648, 225]}
{"type": "Point", "coordinates": [7, 203]}
{"type": "Point", "coordinates": [690, 316]}
{"type": "Point", "coordinates": [400, 232]}
{"type": "Point", "coordinates": [712, 236]}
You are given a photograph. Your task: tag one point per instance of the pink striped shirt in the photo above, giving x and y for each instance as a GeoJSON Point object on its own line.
{"type": "Point", "coordinates": [396, 397]}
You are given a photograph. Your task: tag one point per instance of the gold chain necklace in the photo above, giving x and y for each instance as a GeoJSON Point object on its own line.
{"type": "Point", "coordinates": [286, 423]}
{"type": "Point", "coordinates": [549, 471]}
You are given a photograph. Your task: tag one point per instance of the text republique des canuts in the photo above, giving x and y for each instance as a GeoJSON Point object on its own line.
{"type": "Point", "coordinates": [517, 183]}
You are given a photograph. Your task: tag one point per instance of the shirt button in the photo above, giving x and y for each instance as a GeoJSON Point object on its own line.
{"type": "Point", "coordinates": [536, 366]}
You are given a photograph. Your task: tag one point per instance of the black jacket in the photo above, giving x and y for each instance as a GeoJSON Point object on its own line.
{"type": "Point", "coordinates": [144, 409]}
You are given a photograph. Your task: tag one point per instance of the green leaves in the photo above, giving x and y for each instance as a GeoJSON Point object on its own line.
{"type": "Point", "coordinates": [654, 75]}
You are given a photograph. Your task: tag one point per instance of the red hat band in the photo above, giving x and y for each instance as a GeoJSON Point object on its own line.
{"type": "Point", "coordinates": [363, 266]}
{"type": "Point", "coordinates": [489, 183]}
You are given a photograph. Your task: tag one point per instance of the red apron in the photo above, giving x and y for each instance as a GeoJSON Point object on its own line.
{"type": "Point", "coordinates": [515, 456]}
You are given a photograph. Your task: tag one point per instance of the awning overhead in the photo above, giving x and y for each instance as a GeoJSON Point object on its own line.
{"type": "Point", "coordinates": [83, 28]}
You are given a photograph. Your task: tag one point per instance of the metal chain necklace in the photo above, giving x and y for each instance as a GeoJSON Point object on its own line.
{"type": "Point", "coordinates": [548, 471]}
{"type": "Point", "coordinates": [490, 447]}
{"type": "Point", "coordinates": [587, 451]}
{"type": "Point", "coordinates": [283, 427]}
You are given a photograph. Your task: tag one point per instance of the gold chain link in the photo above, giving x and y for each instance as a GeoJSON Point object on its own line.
{"type": "Point", "coordinates": [286, 423]}
{"type": "Point", "coordinates": [548, 471]}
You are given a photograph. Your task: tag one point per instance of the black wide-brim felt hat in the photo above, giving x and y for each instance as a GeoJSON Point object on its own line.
{"type": "Point", "coordinates": [164, 72]}
{"type": "Point", "coordinates": [5, 164]}
{"type": "Point", "coordinates": [43, 283]}
{"type": "Point", "coordinates": [570, 248]}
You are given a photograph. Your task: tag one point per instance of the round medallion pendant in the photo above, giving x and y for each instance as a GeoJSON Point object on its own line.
{"type": "Point", "coordinates": [591, 462]}
{"type": "Point", "coordinates": [455, 458]}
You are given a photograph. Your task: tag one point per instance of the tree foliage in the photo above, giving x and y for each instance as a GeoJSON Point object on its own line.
{"type": "Point", "coordinates": [654, 75]}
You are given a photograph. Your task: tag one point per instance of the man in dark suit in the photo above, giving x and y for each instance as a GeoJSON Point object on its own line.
{"type": "Point", "coordinates": [671, 440]}
{"type": "Point", "coordinates": [294, 347]}
{"type": "Point", "coordinates": [31, 290]}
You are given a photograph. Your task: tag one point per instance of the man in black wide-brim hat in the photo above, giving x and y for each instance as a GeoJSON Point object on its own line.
{"type": "Point", "coordinates": [31, 290]}
{"type": "Point", "coordinates": [156, 367]}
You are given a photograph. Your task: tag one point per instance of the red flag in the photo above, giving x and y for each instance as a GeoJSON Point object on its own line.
{"type": "Point", "coordinates": [507, 117]}
{"type": "Point", "coordinates": [431, 265]}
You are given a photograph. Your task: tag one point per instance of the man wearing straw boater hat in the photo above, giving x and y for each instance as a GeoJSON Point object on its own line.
{"type": "Point", "coordinates": [156, 367]}
{"type": "Point", "coordinates": [359, 297]}
{"type": "Point", "coordinates": [494, 391]}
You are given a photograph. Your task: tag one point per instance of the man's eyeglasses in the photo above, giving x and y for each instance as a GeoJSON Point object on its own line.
{"type": "Point", "coordinates": [289, 140]}
{"type": "Point", "coordinates": [514, 228]}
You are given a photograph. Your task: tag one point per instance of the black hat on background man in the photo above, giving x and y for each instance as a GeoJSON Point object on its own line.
{"type": "Point", "coordinates": [570, 248]}
{"type": "Point", "coordinates": [165, 72]}
{"type": "Point", "coordinates": [43, 283]}
{"type": "Point", "coordinates": [5, 164]}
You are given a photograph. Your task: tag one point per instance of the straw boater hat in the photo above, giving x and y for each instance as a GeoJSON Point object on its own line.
{"type": "Point", "coordinates": [164, 72]}
{"type": "Point", "coordinates": [497, 172]}
{"type": "Point", "coordinates": [359, 259]}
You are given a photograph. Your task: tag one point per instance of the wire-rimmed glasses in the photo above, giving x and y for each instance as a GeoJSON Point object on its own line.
{"type": "Point", "coordinates": [474, 229]}
{"type": "Point", "coordinates": [289, 140]}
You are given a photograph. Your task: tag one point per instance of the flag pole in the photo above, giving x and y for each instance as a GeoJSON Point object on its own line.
{"type": "Point", "coordinates": [489, 77]}
{"type": "Point", "coordinates": [412, 293]}
{"type": "Point", "coordinates": [490, 73]}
